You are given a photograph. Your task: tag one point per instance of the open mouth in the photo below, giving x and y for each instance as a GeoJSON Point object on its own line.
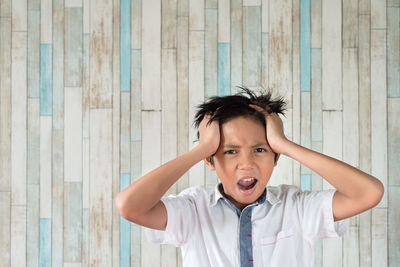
{"type": "Point", "coordinates": [247, 184]}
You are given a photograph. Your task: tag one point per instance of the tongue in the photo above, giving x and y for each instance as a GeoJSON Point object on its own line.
{"type": "Point", "coordinates": [246, 183]}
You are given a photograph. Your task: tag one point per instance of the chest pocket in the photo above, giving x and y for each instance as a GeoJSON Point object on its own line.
{"type": "Point", "coordinates": [279, 250]}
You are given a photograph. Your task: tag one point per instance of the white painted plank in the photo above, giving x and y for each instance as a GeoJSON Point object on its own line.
{"type": "Point", "coordinates": [236, 45]}
{"type": "Point", "coordinates": [85, 237]}
{"type": "Point", "coordinates": [379, 109]}
{"type": "Point", "coordinates": [19, 15]}
{"type": "Point", "coordinates": [350, 107]}
{"type": "Point", "coordinates": [316, 23]}
{"type": "Point", "coordinates": [351, 248]}
{"type": "Point", "coordinates": [46, 21]}
{"type": "Point", "coordinates": [168, 24]}
{"type": "Point", "coordinates": [224, 24]}
{"type": "Point", "coordinates": [151, 54]}
{"type": "Point", "coordinates": [73, 3]}
{"type": "Point", "coordinates": [251, 2]}
{"type": "Point", "coordinates": [5, 227]}
{"type": "Point", "coordinates": [151, 159]}
{"type": "Point", "coordinates": [393, 106]}
{"type": "Point", "coordinates": [32, 225]}
{"type": "Point", "coordinates": [331, 54]}
{"type": "Point", "coordinates": [136, 25]}
{"type": "Point", "coordinates": [379, 237]}
{"type": "Point", "coordinates": [85, 172]}
{"type": "Point", "coordinates": [116, 131]}
{"type": "Point", "coordinates": [280, 44]}
{"type": "Point", "coordinates": [350, 25]}
{"type": "Point", "coordinates": [101, 47]}
{"type": "Point", "coordinates": [101, 202]}
{"type": "Point", "coordinates": [18, 236]}
{"type": "Point", "coordinates": [73, 134]}
{"type": "Point", "coordinates": [265, 16]}
{"type": "Point", "coordinates": [45, 166]}
{"type": "Point", "coordinates": [124, 121]}
{"type": "Point", "coordinates": [332, 252]}
{"type": "Point", "coordinates": [378, 14]}
{"type": "Point", "coordinates": [18, 118]}
{"type": "Point", "coordinates": [196, 96]}
{"type": "Point", "coordinates": [196, 15]}
{"type": "Point", "coordinates": [86, 16]}
{"type": "Point", "coordinates": [5, 104]}
{"type": "Point", "coordinates": [85, 86]}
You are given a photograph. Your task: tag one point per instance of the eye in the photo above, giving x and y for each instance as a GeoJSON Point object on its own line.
{"type": "Point", "coordinates": [262, 148]}
{"type": "Point", "coordinates": [226, 152]}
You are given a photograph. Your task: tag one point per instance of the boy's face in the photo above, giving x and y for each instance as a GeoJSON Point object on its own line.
{"type": "Point", "coordinates": [244, 170]}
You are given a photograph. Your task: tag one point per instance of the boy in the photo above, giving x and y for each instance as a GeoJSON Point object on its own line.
{"type": "Point", "coordinates": [244, 222]}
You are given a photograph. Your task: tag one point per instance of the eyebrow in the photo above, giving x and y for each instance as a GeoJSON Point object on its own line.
{"type": "Point", "coordinates": [237, 146]}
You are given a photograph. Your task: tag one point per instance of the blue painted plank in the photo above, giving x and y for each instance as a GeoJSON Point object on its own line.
{"type": "Point", "coordinates": [305, 182]}
{"type": "Point", "coordinates": [125, 46]}
{"type": "Point", "coordinates": [224, 73]}
{"type": "Point", "coordinates": [45, 242]}
{"type": "Point", "coordinates": [46, 90]}
{"type": "Point", "coordinates": [124, 228]}
{"type": "Point", "coordinates": [305, 46]}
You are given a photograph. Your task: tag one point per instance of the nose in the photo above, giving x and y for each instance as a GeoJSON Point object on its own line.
{"type": "Point", "coordinates": [246, 161]}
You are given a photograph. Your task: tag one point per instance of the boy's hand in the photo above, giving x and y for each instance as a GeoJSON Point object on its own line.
{"type": "Point", "coordinates": [274, 129]}
{"type": "Point", "coordinates": [209, 135]}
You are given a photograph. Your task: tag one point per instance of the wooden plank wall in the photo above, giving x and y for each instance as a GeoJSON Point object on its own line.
{"type": "Point", "coordinates": [94, 94]}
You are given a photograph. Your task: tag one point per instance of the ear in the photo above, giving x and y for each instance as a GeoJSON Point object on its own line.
{"type": "Point", "coordinates": [277, 157]}
{"type": "Point", "coordinates": [210, 166]}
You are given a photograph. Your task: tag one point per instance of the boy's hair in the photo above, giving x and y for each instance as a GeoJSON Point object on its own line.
{"type": "Point", "coordinates": [226, 108]}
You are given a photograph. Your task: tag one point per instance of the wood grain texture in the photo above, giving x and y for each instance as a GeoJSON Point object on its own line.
{"type": "Point", "coordinates": [101, 54]}
{"type": "Point", "coordinates": [151, 55]}
{"type": "Point", "coordinates": [93, 92]}
{"type": "Point", "coordinates": [331, 55]}
{"type": "Point", "coordinates": [100, 246]}
{"type": "Point", "coordinates": [18, 119]}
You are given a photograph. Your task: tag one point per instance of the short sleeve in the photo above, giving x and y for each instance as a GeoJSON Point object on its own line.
{"type": "Point", "coordinates": [181, 221]}
{"type": "Point", "coordinates": [315, 209]}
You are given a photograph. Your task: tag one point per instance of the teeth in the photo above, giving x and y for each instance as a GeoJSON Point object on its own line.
{"type": "Point", "coordinates": [248, 179]}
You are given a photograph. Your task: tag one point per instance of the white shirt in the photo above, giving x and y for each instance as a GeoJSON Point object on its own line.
{"type": "Point", "coordinates": [284, 227]}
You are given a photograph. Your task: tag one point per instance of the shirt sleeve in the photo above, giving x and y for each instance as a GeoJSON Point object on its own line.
{"type": "Point", "coordinates": [181, 221]}
{"type": "Point", "coordinates": [315, 209]}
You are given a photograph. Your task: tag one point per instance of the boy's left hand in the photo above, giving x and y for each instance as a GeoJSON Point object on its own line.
{"type": "Point", "coordinates": [274, 129]}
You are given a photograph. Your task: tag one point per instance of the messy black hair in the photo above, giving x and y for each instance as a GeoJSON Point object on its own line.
{"type": "Point", "coordinates": [226, 108]}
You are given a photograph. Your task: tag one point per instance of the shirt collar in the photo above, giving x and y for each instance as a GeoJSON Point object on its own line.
{"type": "Point", "coordinates": [268, 194]}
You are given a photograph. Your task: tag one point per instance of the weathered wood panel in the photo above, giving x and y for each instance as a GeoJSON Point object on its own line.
{"type": "Point", "coordinates": [331, 55]}
{"type": "Point", "coordinates": [101, 203]}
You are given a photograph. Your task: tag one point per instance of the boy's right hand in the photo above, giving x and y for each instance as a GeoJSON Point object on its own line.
{"type": "Point", "coordinates": [209, 135]}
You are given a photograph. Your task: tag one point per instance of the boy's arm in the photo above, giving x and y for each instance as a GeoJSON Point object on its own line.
{"type": "Point", "coordinates": [357, 191]}
{"type": "Point", "coordinates": [140, 202]}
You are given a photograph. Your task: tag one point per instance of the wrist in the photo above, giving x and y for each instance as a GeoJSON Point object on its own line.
{"type": "Point", "coordinates": [203, 150]}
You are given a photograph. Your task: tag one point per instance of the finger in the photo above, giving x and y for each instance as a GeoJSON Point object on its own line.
{"type": "Point", "coordinates": [261, 109]}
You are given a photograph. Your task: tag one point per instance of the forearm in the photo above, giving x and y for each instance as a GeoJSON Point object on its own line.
{"type": "Point", "coordinates": [350, 181]}
{"type": "Point", "coordinates": [144, 194]}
